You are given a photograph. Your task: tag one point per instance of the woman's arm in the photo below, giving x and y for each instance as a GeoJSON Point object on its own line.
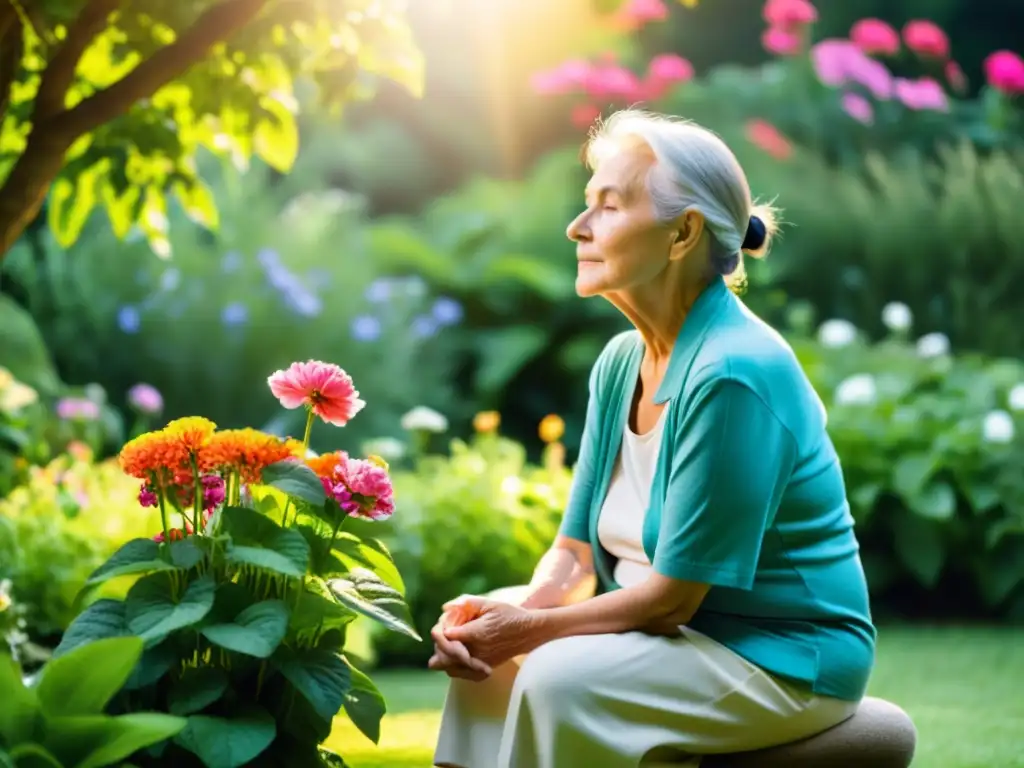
{"type": "Point", "coordinates": [564, 575]}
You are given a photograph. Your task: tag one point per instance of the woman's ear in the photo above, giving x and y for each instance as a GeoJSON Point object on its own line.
{"type": "Point", "coordinates": [688, 232]}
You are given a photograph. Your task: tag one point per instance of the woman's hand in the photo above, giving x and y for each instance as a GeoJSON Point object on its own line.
{"type": "Point", "coordinates": [492, 632]}
{"type": "Point", "coordinates": [451, 656]}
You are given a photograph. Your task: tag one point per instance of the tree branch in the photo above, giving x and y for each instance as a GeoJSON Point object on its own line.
{"type": "Point", "coordinates": [171, 61]}
{"type": "Point", "coordinates": [60, 72]}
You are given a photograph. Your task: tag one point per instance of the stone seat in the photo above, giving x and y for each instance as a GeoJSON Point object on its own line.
{"type": "Point", "coordinates": [879, 735]}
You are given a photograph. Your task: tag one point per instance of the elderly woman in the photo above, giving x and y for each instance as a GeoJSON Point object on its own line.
{"type": "Point", "coordinates": [705, 593]}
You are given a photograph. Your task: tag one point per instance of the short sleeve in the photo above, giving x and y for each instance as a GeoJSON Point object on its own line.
{"type": "Point", "coordinates": [576, 520]}
{"type": "Point", "coordinates": [729, 468]}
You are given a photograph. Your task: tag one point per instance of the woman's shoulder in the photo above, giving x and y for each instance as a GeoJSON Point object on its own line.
{"type": "Point", "coordinates": [617, 353]}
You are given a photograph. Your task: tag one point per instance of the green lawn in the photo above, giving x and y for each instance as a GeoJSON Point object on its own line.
{"type": "Point", "coordinates": [963, 687]}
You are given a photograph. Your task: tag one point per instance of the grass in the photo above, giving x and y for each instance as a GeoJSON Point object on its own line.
{"type": "Point", "coordinates": [961, 686]}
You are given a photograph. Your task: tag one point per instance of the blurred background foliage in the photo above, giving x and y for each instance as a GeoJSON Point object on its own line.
{"type": "Point", "coordinates": [420, 244]}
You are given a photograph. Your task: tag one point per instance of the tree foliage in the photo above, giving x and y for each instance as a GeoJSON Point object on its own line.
{"type": "Point", "coordinates": [107, 102]}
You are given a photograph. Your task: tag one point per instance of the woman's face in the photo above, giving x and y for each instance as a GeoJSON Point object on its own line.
{"type": "Point", "coordinates": [620, 244]}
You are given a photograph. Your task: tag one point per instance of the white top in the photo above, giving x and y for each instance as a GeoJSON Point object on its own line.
{"type": "Point", "coordinates": [621, 522]}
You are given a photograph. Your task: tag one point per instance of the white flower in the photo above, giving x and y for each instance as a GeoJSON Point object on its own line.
{"type": "Point", "coordinates": [897, 316]}
{"type": "Point", "coordinates": [858, 389]}
{"type": "Point", "coordinates": [837, 333]}
{"type": "Point", "coordinates": [388, 448]}
{"type": "Point", "coordinates": [424, 419]}
{"type": "Point", "coordinates": [998, 427]}
{"type": "Point", "coordinates": [16, 396]}
{"type": "Point", "coordinates": [1016, 398]}
{"type": "Point", "coordinates": [512, 485]}
{"type": "Point", "coordinates": [933, 345]}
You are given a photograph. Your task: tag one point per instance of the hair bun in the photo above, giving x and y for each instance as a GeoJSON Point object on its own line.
{"type": "Point", "coordinates": [756, 234]}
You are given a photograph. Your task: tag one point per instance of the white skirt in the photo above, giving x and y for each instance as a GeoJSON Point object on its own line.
{"type": "Point", "coordinates": [623, 701]}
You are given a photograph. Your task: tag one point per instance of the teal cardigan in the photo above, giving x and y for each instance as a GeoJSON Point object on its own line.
{"type": "Point", "coordinates": [748, 496]}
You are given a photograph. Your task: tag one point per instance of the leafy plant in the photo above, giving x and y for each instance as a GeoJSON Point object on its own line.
{"type": "Point", "coordinates": [498, 513]}
{"type": "Point", "coordinates": [60, 718]}
{"type": "Point", "coordinates": [111, 104]}
{"type": "Point", "coordinates": [244, 598]}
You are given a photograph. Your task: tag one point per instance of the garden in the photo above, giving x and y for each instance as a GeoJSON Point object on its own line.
{"type": "Point", "coordinates": [290, 352]}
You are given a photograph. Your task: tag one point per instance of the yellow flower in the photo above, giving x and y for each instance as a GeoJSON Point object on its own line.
{"type": "Point", "coordinates": [689, 3]}
{"type": "Point", "coordinates": [379, 461]}
{"type": "Point", "coordinates": [487, 421]}
{"type": "Point", "coordinates": [551, 428]}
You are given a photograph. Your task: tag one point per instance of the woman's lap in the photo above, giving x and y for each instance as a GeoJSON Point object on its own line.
{"type": "Point", "coordinates": [624, 700]}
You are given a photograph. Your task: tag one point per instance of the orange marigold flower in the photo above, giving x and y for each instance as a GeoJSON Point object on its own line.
{"type": "Point", "coordinates": [487, 421]}
{"type": "Point", "coordinates": [192, 431]}
{"type": "Point", "coordinates": [154, 454]}
{"type": "Point", "coordinates": [325, 464]}
{"type": "Point", "coordinates": [551, 428]}
{"type": "Point", "coordinates": [246, 451]}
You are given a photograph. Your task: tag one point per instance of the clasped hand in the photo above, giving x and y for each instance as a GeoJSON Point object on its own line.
{"type": "Point", "coordinates": [475, 634]}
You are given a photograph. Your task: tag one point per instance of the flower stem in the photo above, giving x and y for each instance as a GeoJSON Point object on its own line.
{"type": "Point", "coordinates": [197, 497]}
{"type": "Point", "coordinates": [163, 519]}
{"type": "Point", "coordinates": [309, 428]}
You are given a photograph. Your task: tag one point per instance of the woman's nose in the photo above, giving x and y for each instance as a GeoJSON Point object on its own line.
{"type": "Point", "coordinates": [577, 230]}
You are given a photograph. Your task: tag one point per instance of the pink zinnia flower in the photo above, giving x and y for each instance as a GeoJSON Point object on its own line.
{"type": "Point", "coordinates": [145, 398]}
{"type": "Point", "coordinates": [874, 36]}
{"type": "Point", "coordinates": [1004, 71]}
{"type": "Point", "coordinates": [213, 491]}
{"type": "Point", "coordinates": [922, 94]}
{"type": "Point", "coordinates": [925, 38]}
{"type": "Point", "coordinates": [323, 387]}
{"type": "Point", "coordinates": [859, 108]}
{"type": "Point", "coordinates": [781, 41]}
{"type": "Point", "coordinates": [77, 409]}
{"type": "Point", "coordinates": [766, 136]}
{"type": "Point", "coordinates": [789, 13]}
{"type": "Point", "coordinates": [371, 488]}
{"type": "Point", "coordinates": [612, 81]}
{"type": "Point", "coordinates": [565, 78]}
{"type": "Point", "coordinates": [838, 62]}
{"type": "Point", "coordinates": [670, 68]}
{"type": "Point", "coordinates": [639, 12]}
{"type": "Point", "coordinates": [147, 498]}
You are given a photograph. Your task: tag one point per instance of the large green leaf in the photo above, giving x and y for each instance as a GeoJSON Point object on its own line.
{"type": "Point", "coordinates": [321, 676]}
{"type": "Point", "coordinates": [258, 541]}
{"type": "Point", "coordinates": [371, 554]}
{"type": "Point", "coordinates": [135, 556]}
{"type": "Point", "coordinates": [100, 740]}
{"type": "Point", "coordinates": [33, 756]}
{"type": "Point", "coordinates": [503, 353]}
{"type": "Point", "coordinates": [228, 743]}
{"type": "Point", "coordinates": [84, 681]}
{"type": "Point", "coordinates": [256, 631]}
{"type": "Point", "coordinates": [18, 704]}
{"type": "Point", "coordinates": [366, 593]}
{"type": "Point", "coordinates": [104, 618]}
{"type": "Point", "coordinates": [154, 609]}
{"type": "Point", "coordinates": [295, 479]}
{"type": "Point", "coordinates": [365, 705]}
{"type": "Point", "coordinates": [196, 689]}
{"type": "Point", "coordinates": [919, 546]}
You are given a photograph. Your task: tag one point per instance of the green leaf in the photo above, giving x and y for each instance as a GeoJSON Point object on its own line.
{"type": "Point", "coordinates": [100, 740]}
{"type": "Point", "coordinates": [135, 556]}
{"type": "Point", "coordinates": [198, 202]}
{"type": "Point", "coordinates": [196, 689]}
{"type": "Point", "coordinates": [920, 547]}
{"type": "Point", "coordinates": [503, 353]}
{"type": "Point", "coordinates": [295, 479]}
{"type": "Point", "coordinates": [319, 609]}
{"type": "Point", "coordinates": [18, 705]}
{"type": "Point", "coordinates": [260, 542]}
{"type": "Point", "coordinates": [228, 743]}
{"type": "Point", "coordinates": [370, 554]}
{"type": "Point", "coordinates": [331, 759]}
{"type": "Point", "coordinates": [102, 619]}
{"type": "Point", "coordinates": [256, 631]}
{"type": "Point", "coordinates": [911, 473]}
{"type": "Point", "coordinates": [84, 681]}
{"type": "Point", "coordinates": [322, 677]}
{"type": "Point", "coordinates": [365, 705]}
{"type": "Point", "coordinates": [33, 756]}
{"type": "Point", "coordinates": [153, 609]}
{"type": "Point", "coordinates": [276, 138]}
{"type": "Point", "coordinates": [154, 664]}
{"type": "Point", "coordinates": [70, 203]}
{"type": "Point", "coordinates": [936, 502]}
{"type": "Point", "coordinates": [366, 593]}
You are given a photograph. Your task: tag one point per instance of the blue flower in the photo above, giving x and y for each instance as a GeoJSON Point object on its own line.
{"type": "Point", "coordinates": [304, 302]}
{"type": "Point", "coordinates": [128, 319]}
{"type": "Point", "coordinates": [231, 262]}
{"type": "Point", "coordinates": [447, 311]}
{"type": "Point", "coordinates": [366, 328]}
{"type": "Point", "coordinates": [235, 313]}
{"type": "Point", "coordinates": [268, 258]}
{"type": "Point", "coordinates": [379, 290]}
{"type": "Point", "coordinates": [170, 279]}
{"type": "Point", "coordinates": [424, 326]}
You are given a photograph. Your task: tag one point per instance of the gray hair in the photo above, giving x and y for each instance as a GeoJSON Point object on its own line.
{"type": "Point", "coordinates": [694, 170]}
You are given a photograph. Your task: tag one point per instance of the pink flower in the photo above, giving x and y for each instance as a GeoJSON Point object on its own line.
{"type": "Point", "coordinates": [925, 38]}
{"type": "Point", "coordinates": [786, 14]}
{"type": "Point", "coordinates": [371, 487]}
{"type": "Point", "coordinates": [669, 68]}
{"type": "Point", "coordinates": [840, 62]}
{"type": "Point", "coordinates": [859, 108]}
{"type": "Point", "coordinates": [922, 94]}
{"type": "Point", "coordinates": [145, 398]}
{"type": "Point", "coordinates": [612, 81]}
{"type": "Point", "coordinates": [781, 41]}
{"type": "Point", "coordinates": [565, 78]}
{"type": "Point", "coordinates": [213, 491]}
{"type": "Point", "coordinates": [77, 409]}
{"type": "Point", "coordinates": [1004, 71]}
{"type": "Point", "coordinates": [584, 115]}
{"type": "Point", "coordinates": [323, 387]}
{"type": "Point", "coordinates": [767, 137]}
{"type": "Point", "coordinates": [636, 13]}
{"type": "Point", "coordinates": [147, 498]}
{"type": "Point", "coordinates": [874, 36]}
